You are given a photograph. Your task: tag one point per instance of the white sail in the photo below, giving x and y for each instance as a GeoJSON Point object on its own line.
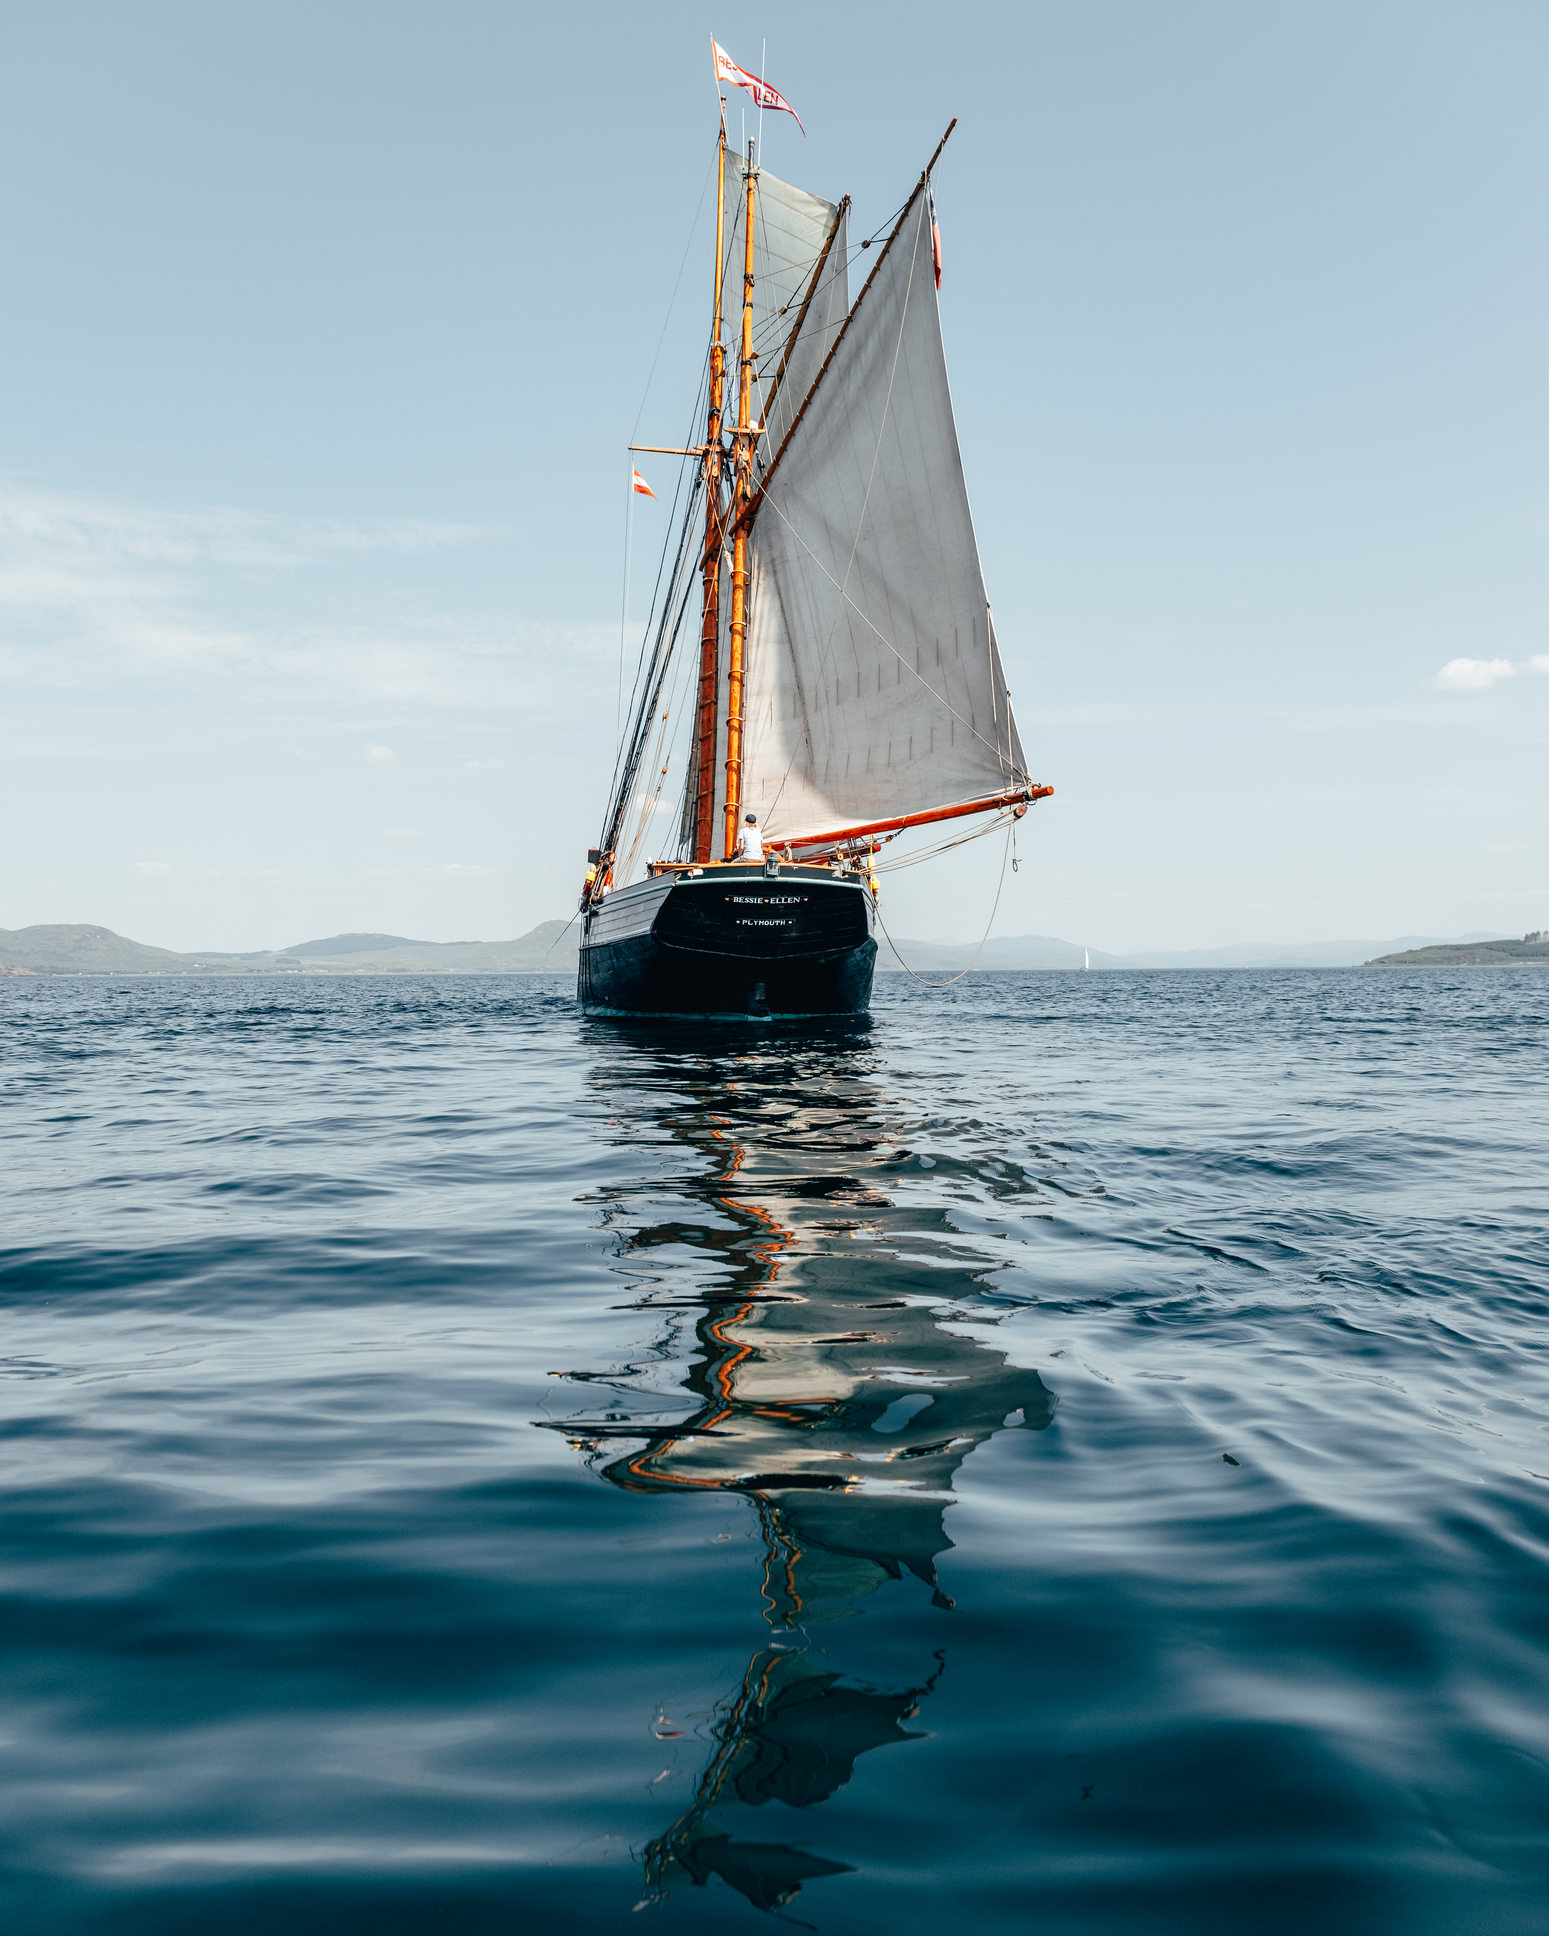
{"type": "Point", "coordinates": [791, 230]}
{"type": "Point", "coordinates": [791, 273]}
{"type": "Point", "coordinates": [874, 686]}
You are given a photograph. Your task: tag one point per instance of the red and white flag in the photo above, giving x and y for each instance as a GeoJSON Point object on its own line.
{"type": "Point", "coordinates": [639, 486]}
{"type": "Point", "coordinates": [727, 70]}
{"type": "Point", "coordinates": [935, 239]}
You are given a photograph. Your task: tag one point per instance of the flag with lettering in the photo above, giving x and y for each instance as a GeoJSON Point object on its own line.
{"type": "Point", "coordinates": [728, 72]}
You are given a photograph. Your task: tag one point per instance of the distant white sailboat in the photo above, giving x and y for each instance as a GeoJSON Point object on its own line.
{"type": "Point", "coordinates": [1088, 962]}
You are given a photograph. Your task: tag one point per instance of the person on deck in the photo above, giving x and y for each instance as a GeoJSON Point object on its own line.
{"type": "Point", "coordinates": [750, 845]}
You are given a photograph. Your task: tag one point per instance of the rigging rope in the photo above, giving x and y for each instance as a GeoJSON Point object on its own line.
{"type": "Point", "coordinates": [994, 910]}
{"type": "Point", "coordinates": [672, 300]}
{"type": "Point", "coordinates": [695, 481]}
{"type": "Point", "coordinates": [942, 847]}
{"type": "Point", "coordinates": [628, 769]}
{"type": "Point", "coordinates": [647, 720]}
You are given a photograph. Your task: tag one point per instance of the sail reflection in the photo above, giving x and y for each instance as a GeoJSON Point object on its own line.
{"type": "Point", "coordinates": [835, 1383]}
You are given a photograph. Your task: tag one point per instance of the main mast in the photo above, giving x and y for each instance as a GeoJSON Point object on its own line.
{"type": "Point", "coordinates": [743, 432]}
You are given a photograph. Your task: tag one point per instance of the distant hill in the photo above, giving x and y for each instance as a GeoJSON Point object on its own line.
{"type": "Point", "coordinates": [73, 948]}
{"type": "Point", "coordinates": [550, 948]}
{"type": "Point", "coordinates": [1472, 954]}
{"type": "Point", "coordinates": [355, 944]}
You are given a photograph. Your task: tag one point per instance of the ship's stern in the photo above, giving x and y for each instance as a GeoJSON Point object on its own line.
{"type": "Point", "coordinates": [753, 940]}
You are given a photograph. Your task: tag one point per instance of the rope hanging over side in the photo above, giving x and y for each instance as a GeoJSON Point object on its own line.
{"type": "Point", "coordinates": [946, 846]}
{"type": "Point", "coordinates": [994, 910]}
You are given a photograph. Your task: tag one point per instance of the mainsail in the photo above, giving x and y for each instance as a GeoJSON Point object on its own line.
{"type": "Point", "coordinates": [873, 685]}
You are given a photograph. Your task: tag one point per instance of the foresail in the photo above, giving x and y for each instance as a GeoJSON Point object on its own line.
{"type": "Point", "coordinates": [874, 686]}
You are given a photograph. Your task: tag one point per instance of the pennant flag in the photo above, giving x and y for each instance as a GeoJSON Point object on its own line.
{"type": "Point", "coordinates": [727, 70]}
{"type": "Point", "coordinates": [935, 240]}
{"type": "Point", "coordinates": [638, 484]}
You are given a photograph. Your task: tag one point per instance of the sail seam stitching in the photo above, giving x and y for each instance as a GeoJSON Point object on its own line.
{"type": "Point", "coordinates": [998, 751]}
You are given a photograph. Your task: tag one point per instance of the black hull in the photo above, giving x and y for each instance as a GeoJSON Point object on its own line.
{"type": "Point", "coordinates": [732, 943]}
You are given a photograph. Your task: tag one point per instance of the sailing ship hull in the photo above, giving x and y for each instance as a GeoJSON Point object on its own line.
{"type": "Point", "coordinates": [733, 941]}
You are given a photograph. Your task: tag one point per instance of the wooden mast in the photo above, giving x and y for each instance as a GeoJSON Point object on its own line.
{"type": "Point", "coordinates": [710, 567]}
{"type": "Point", "coordinates": [742, 485]}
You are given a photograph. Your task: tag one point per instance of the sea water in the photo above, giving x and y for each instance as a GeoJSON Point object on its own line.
{"type": "Point", "coordinates": [1108, 1491]}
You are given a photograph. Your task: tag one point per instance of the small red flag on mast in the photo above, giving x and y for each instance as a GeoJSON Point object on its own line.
{"type": "Point", "coordinates": [935, 240]}
{"type": "Point", "coordinates": [727, 70]}
{"type": "Point", "coordinates": [638, 484]}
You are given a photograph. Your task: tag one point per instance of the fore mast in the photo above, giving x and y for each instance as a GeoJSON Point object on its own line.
{"type": "Point", "coordinates": [710, 567]}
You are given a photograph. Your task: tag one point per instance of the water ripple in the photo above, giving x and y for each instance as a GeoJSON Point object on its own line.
{"type": "Point", "coordinates": [1070, 1454]}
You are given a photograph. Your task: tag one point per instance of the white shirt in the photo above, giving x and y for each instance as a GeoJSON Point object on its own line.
{"type": "Point", "coordinates": [750, 844]}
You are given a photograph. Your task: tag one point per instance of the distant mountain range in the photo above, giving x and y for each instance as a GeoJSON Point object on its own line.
{"type": "Point", "coordinates": [550, 948]}
{"type": "Point", "coordinates": [72, 948]}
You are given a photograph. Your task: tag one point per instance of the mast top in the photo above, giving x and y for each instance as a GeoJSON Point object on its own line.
{"type": "Point", "coordinates": [939, 146]}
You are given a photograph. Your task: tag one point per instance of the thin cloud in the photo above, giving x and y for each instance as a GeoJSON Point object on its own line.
{"type": "Point", "coordinates": [1479, 675]}
{"type": "Point", "coordinates": [378, 755]}
{"type": "Point", "coordinates": [69, 522]}
{"type": "Point", "coordinates": [96, 594]}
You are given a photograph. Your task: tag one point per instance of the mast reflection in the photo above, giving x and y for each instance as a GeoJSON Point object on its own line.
{"type": "Point", "coordinates": [827, 1389]}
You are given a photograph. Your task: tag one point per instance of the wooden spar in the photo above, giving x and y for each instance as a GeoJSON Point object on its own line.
{"type": "Point", "coordinates": [710, 567]}
{"type": "Point", "coordinates": [801, 314]}
{"type": "Point", "coordinates": [989, 803]}
{"type": "Point", "coordinates": [757, 497]}
{"type": "Point", "coordinates": [742, 478]}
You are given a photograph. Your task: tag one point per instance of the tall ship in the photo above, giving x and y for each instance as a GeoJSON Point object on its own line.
{"type": "Point", "coordinates": [819, 673]}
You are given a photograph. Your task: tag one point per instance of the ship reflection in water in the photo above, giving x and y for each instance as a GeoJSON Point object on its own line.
{"type": "Point", "coordinates": [828, 1388]}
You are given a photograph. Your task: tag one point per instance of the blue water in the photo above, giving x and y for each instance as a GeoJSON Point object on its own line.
{"type": "Point", "coordinates": [1108, 1491]}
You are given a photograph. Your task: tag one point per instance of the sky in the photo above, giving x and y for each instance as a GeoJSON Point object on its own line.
{"type": "Point", "coordinates": [327, 326]}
